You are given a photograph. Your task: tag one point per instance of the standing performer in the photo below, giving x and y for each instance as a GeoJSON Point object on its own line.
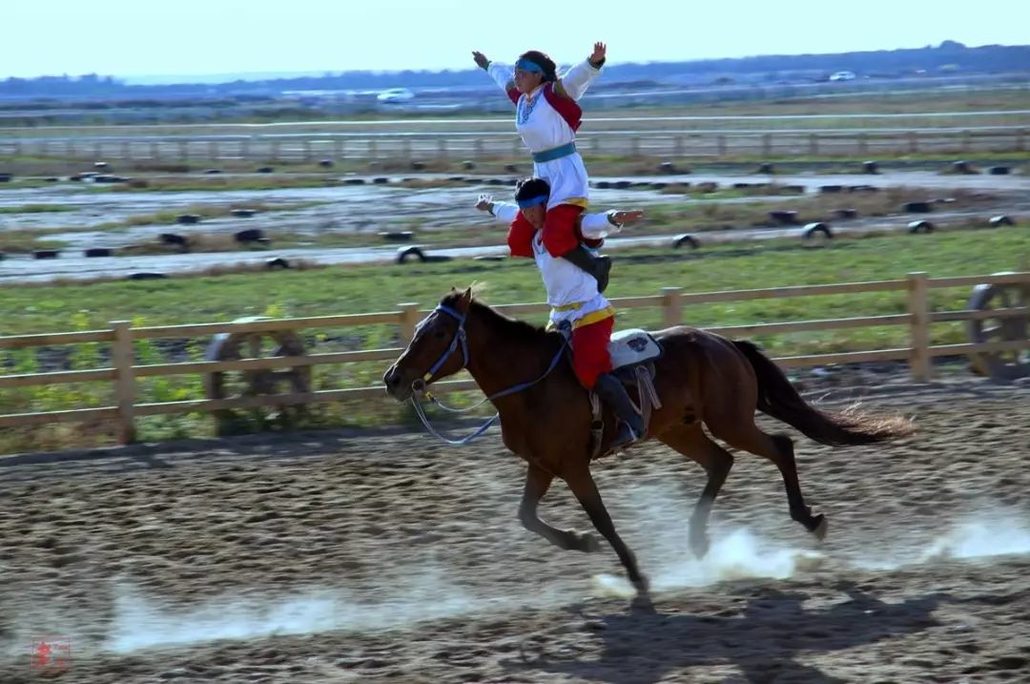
{"type": "Point", "coordinates": [547, 117]}
{"type": "Point", "coordinates": [573, 295]}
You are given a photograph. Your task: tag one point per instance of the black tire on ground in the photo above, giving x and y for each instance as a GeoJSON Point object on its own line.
{"type": "Point", "coordinates": [146, 276]}
{"type": "Point", "coordinates": [917, 207]}
{"type": "Point", "coordinates": [174, 239]}
{"type": "Point", "coordinates": [816, 229]}
{"type": "Point", "coordinates": [187, 219]}
{"type": "Point", "coordinates": [380, 180]}
{"type": "Point", "coordinates": [243, 213]}
{"type": "Point", "coordinates": [831, 188]}
{"type": "Point", "coordinates": [250, 235]}
{"type": "Point", "coordinates": [413, 252]}
{"type": "Point", "coordinates": [354, 181]}
{"type": "Point", "coordinates": [870, 167]}
{"type": "Point", "coordinates": [784, 217]}
{"type": "Point", "coordinates": [921, 226]}
{"type": "Point", "coordinates": [490, 257]}
{"type": "Point", "coordinates": [845, 213]}
{"type": "Point", "coordinates": [46, 253]}
{"type": "Point", "coordinates": [265, 169]}
{"type": "Point", "coordinates": [766, 168]}
{"type": "Point", "coordinates": [686, 240]}
{"type": "Point", "coordinates": [998, 170]}
{"type": "Point", "coordinates": [277, 262]}
{"type": "Point", "coordinates": [326, 163]}
{"type": "Point", "coordinates": [1001, 220]}
{"type": "Point", "coordinates": [397, 235]}
{"type": "Point", "coordinates": [211, 172]}
{"type": "Point", "coordinates": [97, 252]}
{"type": "Point", "coordinates": [5, 177]}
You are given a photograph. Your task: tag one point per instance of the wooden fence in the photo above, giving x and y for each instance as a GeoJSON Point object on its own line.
{"type": "Point", "coordinates": [430, 146]}
{"type": "Point", "coordinates": [124, 370]}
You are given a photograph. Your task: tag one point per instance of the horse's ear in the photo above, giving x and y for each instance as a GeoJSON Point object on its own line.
{"type": "Point", "coordinates": [466, 298]}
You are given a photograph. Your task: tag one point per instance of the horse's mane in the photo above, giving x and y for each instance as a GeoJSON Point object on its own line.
{"type": "Point", "coordinates": [513, 329]}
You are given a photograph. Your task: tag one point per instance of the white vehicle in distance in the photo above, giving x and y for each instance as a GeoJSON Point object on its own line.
{"type": "Point", "coordinates": [395, 96]}
{"type": "Point", "coordinates": [842, 76]}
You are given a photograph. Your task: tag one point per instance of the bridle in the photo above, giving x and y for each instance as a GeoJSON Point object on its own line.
{"type": "Point", "coordinates": [460, 338]}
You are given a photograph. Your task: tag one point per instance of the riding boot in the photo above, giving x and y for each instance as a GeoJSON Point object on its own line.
{"type": "Point", "coordinates": [631, 425]}
{"type": "Point", "coordinates": [598, 267]}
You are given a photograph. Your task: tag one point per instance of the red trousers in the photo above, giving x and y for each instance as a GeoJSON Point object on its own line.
{"type": "Point", "coordinates": [590, 357]}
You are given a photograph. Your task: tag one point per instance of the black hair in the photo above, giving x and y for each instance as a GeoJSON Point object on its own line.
{"type": "Point", "coordinates": [528, 188]}
{"type": "Point", "coordinates": [544, 62]}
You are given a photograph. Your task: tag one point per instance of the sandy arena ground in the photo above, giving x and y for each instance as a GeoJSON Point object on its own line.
{"type": "Point", "coordinates": [390, 557]}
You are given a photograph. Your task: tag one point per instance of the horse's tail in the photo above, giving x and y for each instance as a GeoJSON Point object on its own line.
{"type": "Point", "coordinates": [778, 398]}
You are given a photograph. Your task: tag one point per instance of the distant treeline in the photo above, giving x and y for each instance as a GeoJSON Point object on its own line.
{"type": "Point", "coordinates": [950, 57]}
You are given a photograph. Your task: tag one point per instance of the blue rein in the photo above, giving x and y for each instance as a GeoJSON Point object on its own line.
{"type": "Point", "coordinates": [460, 337]}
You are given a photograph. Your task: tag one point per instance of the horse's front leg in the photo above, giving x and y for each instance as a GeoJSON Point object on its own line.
{"type": "Point", "coordinates": [582, 484]}
{"type": "Point", "coordinates": [538, 481]}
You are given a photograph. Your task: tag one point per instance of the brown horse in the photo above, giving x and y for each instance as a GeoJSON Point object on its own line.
{"type": "Point", "coordinates": [702, 379]}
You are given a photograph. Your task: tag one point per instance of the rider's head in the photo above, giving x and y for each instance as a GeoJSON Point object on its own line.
{"type": "Point", "coordinates": [531, 195]}
{"type": "Point", "coordinates": [532, 69]}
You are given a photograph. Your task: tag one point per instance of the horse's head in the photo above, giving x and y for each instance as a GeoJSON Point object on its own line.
{"type": "Point", "coordinates": [439, 348]}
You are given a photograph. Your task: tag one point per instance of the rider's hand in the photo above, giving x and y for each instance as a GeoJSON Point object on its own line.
{"type": "Point", "coordinates": [481, 61]}
{"type": "Point", "coordinates": [598, 55]}
{"type": "Point", "coordinates": [622, 218]}
{"type": "Point", "coordinates": [485, 203]}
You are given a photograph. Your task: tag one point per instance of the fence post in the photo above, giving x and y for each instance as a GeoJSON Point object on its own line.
{"type": "Point", "coordinates": [766, 144]}
{"type": "Point", "coordinates": [672, 306]}
{"type": "Point", "coordinates": [124, 381]}
{"type": "Point", "coordinates": [863, 143]}
{"type": "Point", "coordinates": [919, 324]}
{"type": "Point", "coordinates": [409, 319]}
{"type": "Point", "coordinates": [813, 144]}
{"type": "Point", "coordinates": [913, 142]}
{"type": "Point", "coordinates": [720, 143]}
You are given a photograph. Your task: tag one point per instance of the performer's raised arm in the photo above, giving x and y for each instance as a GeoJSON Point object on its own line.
{"type": "Point", "coordinates": [599, 225]}
{"type": "Point", "coordinates": [578, 78]}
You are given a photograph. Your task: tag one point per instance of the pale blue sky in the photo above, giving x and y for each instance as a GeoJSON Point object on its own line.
{"type": "Point", "coordinates": [135, 37]}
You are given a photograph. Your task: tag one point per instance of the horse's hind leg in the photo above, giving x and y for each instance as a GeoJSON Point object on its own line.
{"type": "Point", "coordinates": [538, 481]}
{"type": "Point", "coordinates": [692, 442]}
{"type": "Point", "coordinates": [582, 484]}
{"type": "Point", "coordinates": [780, 450]}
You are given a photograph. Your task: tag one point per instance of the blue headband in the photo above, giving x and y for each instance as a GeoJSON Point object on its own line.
{"type": "Point", "coordinates": [532, 201]}
{"type": "Point", "coordinates": [528, 65]}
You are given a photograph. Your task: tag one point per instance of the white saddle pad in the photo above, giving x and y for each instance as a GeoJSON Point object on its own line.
{"type": "Point", "coordinates": [632, 345]}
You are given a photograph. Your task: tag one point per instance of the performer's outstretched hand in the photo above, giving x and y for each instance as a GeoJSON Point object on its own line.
{"type": "Point", "coordinates": [486, 202]}
{"type": "Point", "coordinates": [624, 217]}
{"type": "Point", "coordinates": [600, 50]}
{"type": "Point", "coordinates": [482, 62]}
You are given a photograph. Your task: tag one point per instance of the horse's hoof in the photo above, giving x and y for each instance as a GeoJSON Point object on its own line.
{"type": "Point", "coordinates": [587, 543]}
{"type": "Point", "coordinates": [699, 546]}
{"type": "Point", "coordinates": [642, 585]}
{"type": "Point", "coordinates": [819, 529]}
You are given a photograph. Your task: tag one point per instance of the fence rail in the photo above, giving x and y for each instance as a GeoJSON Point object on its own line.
{"type": "Point", "coordinates": [429, 146]}
{"type": "Point", "coordinates": [124, 371]}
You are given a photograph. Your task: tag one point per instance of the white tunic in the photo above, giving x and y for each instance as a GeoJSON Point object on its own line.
{"type": "Point", "coordinates": [542, 128]}
{"type": "Point", "coordinates": [571, 291]}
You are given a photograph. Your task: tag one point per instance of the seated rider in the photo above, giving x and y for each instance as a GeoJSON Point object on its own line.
{"type": "Point", "coordinates": [573, 295]}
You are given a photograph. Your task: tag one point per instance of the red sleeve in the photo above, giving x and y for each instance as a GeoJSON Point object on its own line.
{"type": "Point", "coordinates": [520, 237]}
{"type": "Point", "coordinates": [513, 95]}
